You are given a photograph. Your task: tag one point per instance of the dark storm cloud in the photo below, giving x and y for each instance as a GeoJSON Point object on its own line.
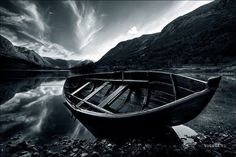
{"type": "Point", "coordinates": [84, 29]}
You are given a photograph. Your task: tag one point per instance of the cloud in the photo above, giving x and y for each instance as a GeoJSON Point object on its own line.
{"type": "Point", "coordinates": [43, 47]}
{"type": "Point", "coordinates": [34, 16]}
{"type": "Point", "coordinates": [93, 30]}
{"type": "Point", "coordinates": [87, 24]}
{"type": "Point", "coordinates": [133, 30]}
{"type": "Point", "coordinates": [4, 11]}
{"type": "Point", "coordinates": [11, 18]}
{"type": "Point", "coordinates": [24, 34]}
{"type": "Point", "coordinates": [46, 48]}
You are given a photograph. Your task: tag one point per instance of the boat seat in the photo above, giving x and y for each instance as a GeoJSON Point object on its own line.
{"type": "Point", "coordinates": [92, 94]}
{"type": "Point", "coordinates": [82, 87]}
{"type": "Point", "coordinates": [113, 96]}
{"type": "Point", "coordinates": [91, 104]}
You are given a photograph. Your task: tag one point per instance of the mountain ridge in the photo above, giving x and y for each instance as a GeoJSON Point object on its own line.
{"type": "Point", "coordinates": [17, 57]}
{"type": "Point", "coordinates": [203, 36]}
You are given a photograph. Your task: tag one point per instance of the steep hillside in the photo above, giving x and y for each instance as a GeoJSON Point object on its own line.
{"type": "Point", "coordinates": [63, 64]}
{"type": "Point", "coordinates": [14, 57]}
{"type": "Point", "coordinates": [205, 36]}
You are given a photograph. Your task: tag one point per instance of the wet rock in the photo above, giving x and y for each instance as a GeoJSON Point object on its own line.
{"type": "Point", "coordinates": [84, 154]}
{"type": "Point", "coordinates": [148, 146]}
{"type": "Point", "coordinates": [75, 149]}
{"type": "Point", "coordinates": [72, 154]}
{"type": "Point", "coordinates": [95, 154]}
{"type": "Point", "coordinates": [55, 144]}
{"type": "Point", "coordinates": [64, 150]}
{"type": "Point", "coordinates": [107, 155]}
{"type": "Point", "coordinates": [34, 149]}
{"type": "Point", "coordinates": [217, 154]}
{"type": "Point", "coordinates": [35, 154]}
{"type": "Point", "coordinates": [47, 153]}
{"type": "Point", "coordinates": [25, 154]}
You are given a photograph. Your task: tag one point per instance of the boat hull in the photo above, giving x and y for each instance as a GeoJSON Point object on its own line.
{"type": "Point", "coordinates": [148, 121]}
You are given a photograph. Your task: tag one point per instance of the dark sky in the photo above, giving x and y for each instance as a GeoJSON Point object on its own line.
{"type": "Point", "coordinates": [84, 29]}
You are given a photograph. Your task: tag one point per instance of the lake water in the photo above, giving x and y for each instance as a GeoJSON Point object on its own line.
{"type": "Point", "coordinates": [31, 106]}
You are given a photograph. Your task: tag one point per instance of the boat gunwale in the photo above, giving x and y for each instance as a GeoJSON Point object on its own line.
{"type": "Point", "coordinates": [138, 113]}
{"type": "Point", "coordinates": [143, 112]}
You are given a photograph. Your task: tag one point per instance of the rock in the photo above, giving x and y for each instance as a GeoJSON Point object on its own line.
{"type": "Point", "coordinates": [84, 154]}
{"type": "Point", "coordinates": [72, 154]}
{"type": "Point", "coordinates": [35, 154]}
{"type": "Point", "coordinates": [148, 146]}
{"type": "Point", "coordinates": [55, 144]}
{"type": "Point", "coordinates": [107, 155]}
{"type": "Point", "coordinates": [34, 149]}
{"type": "Point", "coordinates": [25, 154]}
{"type": "Point", "coordinates": [47, 153]}
{"type": "Point", "coordinates": [64, 151]}
{"type": "Point", "coordinates": [95, 154]}
{"type": "Point", "coordinates": [75, 149]}
{"type": "Point", "coordinates": [217, 154]}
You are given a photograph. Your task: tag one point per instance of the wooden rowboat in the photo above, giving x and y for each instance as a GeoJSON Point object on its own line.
{"type": "Point", "coordinates": [116, 102]}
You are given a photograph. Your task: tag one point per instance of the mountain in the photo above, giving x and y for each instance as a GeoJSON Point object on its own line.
{"type": "Point", "coordinates": [86, 66]}
{"type": "Point", "coordinates": [204, 36]}
{"type": "Point", "coordinates": [15, 57]}
{"type": "Point", "coordinates": [63, 64]}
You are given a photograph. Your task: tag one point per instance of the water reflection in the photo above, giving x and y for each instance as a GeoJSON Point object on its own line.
{"type": "Point", "coordinates": [35, 110]}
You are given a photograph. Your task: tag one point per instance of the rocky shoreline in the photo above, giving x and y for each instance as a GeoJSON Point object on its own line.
{"type": "Point", "coordinates": [214, 144]}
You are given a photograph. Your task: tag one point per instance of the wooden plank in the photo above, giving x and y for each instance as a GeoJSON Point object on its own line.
{"type": "Point", "coordinates": [92, 94]}
{"type": "Point", "coordinates": [82, 87]}
{"type": "Point", "coordinates": [173, 85]}
{"type": "Point", "coordinates": [118, 80]}
{"type": "Point", "coordinates": [91, 104]}
{"type": "Point", "coordinates": [125, 101]}
{"type": "Point", "coordinates": [113, 96]}
{"type": "Point", "coordinates": [108, 91]}
{"type": "Point", "coordinates": [158, 100]}
{"type": "Point", "coordinates": [146, 98]}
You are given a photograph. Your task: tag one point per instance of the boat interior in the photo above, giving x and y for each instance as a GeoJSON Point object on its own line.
{"type": "Point", "coordinates": [131, 91]}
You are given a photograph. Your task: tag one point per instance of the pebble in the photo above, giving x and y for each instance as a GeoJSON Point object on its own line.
{"type": "Point", "coordinates": [72, 154]}
{"type": "Point", "coordinates": [217, 154]}
{"type": "Point", "coordinates": [35, 154]}
{"type": "Point", "coordinates": [148, 146]}
{"type": "Point", "coordinates": [95, 154]}
{"type": "Point", "coordinates": [64, 150]}
{"type": "Point", "coordinates": [75, 149]}
{"type": "Point", "coordinates": [130, 147]}
{"type": "Point", "coordinates": [25, 154]}
{"type": "Point", "coordinates": [84, 154]}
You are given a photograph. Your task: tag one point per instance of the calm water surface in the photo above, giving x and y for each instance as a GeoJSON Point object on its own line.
{"type": "Point", "coordinates": [32, 107]}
